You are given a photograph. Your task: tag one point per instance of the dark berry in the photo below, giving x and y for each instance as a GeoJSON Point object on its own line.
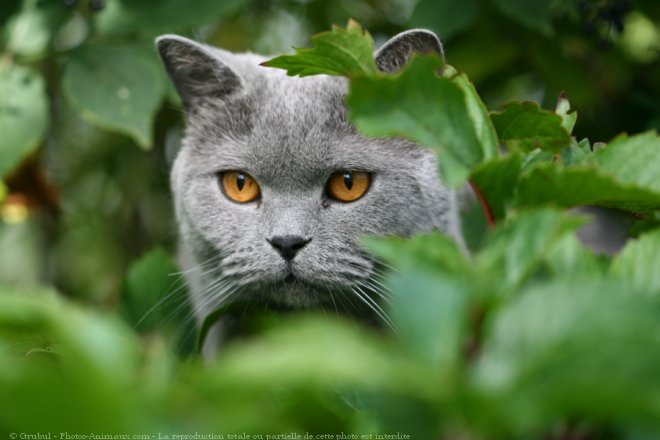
{"type": "Point", "coordinates": [96, 5]}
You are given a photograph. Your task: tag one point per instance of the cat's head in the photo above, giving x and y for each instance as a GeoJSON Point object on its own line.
{"type": "Point", "coordinates": [273, 186]}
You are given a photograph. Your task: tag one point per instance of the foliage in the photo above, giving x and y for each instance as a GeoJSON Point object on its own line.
{"type": "Point", "coordinates": [529, 334]}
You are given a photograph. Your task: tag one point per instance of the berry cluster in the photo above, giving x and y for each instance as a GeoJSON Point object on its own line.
{"type": "Point", "coordinates": [603, 18]}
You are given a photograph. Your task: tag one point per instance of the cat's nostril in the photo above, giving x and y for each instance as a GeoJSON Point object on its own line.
{"type": "Point", "coordinates": [288, 245]}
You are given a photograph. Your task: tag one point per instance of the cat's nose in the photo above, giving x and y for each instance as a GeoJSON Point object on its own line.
{"type": "Point", "coordinates": [288, 245]}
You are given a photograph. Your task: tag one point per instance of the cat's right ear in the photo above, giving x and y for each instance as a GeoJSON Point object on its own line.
{"type": "Point", "coordinates": [196, 71]}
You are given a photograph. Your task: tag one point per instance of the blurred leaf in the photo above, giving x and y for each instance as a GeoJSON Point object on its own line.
{"type": "Point", "coordinates": [445, 18]}
{"type": "Point", "coordinates": [23, 114]}
{"type": "Point", "coordinates": [425, 108]}
{"type": "Point", "coordinates": [95, 362]}
{"type": "Point", "coordinates": [633, 160]}
{"type": "Point", "coordinates": [30, 32]}
{"type": "Point", "coordinates": [524, 126]}
{"type": "Point", "coordinates": [430, 310]}
{"type": "Point", "coordinates": [346, 52]}
{"type": "Point", "coordinates": [428, 252]}
{"type": "Point", "coordinates": [572, 349]}
{"type": "Point", "coordinates": [513, 250]}
{"type": "Point", "coordinates": [576, 153]}
{"type": "Point", "coordinates": [116, 87]}
{"type": "Point", "coordinates": [570, 259]}
{"type": "Point", "coordinates": [563, 109]}
{"type": "Point", "coordinates": [550, 184]}
{"type": "Point", "coordinates": [535, 14]}
{"type": "Point", "coordinates": [637, 265]}
{"type": "Point", "coordinates": [319, 353]}
{"type": "Point", "coordinates": [144, 17]}
{"type": "Point", "coordinates": [496, 179]}
{"type": "Point", "coordinates": [154, 295]}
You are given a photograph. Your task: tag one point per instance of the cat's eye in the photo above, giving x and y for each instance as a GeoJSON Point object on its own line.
{"type": "Point", "coordinates": [239, 186]}
{"type": "Point", "coordinates": [348, 186]}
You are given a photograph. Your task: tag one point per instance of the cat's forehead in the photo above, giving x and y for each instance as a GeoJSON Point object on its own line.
{"type": "Point", "coordinates": [288, 127]}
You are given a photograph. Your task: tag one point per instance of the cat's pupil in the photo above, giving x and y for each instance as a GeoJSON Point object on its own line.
{"type": "Point", "coordinates": [240, 181]}
{"type": "Point", "coordinates": [348, 180]}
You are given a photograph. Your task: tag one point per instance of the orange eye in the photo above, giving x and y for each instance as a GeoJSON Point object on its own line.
{"type": "Point", "coordinates": [239, 186]}
{"type": "Point", "coordinates": [348, 186]}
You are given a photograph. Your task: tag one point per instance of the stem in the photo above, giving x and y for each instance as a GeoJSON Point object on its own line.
{"type": "Point", "coordinates": [488, 211]}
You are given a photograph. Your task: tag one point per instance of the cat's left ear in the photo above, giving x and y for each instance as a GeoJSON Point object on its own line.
{"type": "Point", "coordinates": [397, 51]}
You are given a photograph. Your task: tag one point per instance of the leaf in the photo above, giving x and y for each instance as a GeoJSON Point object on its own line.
{"type": "Point", "coordinates": [513, 250]}
{"type": "Point", "coordinates": [496, 179]}
{"type": "Point", "coordinates": [574, 348]}
{"type": "Point", "coordinates": [445, 18]}
{"type": "Point", "coordinates": [637, 265]}
{"type": "Point", "coordinates": [576, 153]}
{"type": "Point", "coordinates": [430, 310]}
{"type": "Point", "coordinates": [425, 108]}
{"type": "Point", "coordinates": [570, 259]}
{"type": "Point", "coordinates": [142, 17]}
{"type": "Point", "coordinates": [524, 126]}
{"type": "Point", "coordinates": [24, 114]}
{"type": "Point", "coordinates": [342, 52]}
{"type": "Point", "coordinates": [154, 296]}
{"type": "Point", "coordinates": [30, 32]}
{"type": "Point", "coordinates": [423, 252]}
{"type": "Point", "coordinates": [116, 87]}
{"type": "Point", "coordinates": [568, 118]}
{"type": "Point", "coordinates": [549, 184]}
{"type": "Point", "coordinates": [633, 160]}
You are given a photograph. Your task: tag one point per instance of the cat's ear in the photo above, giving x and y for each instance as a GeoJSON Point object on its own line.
{"type": "Point", "coordinates": [398, 50]}
{"type": "Point", "coordinates": [197, 73]}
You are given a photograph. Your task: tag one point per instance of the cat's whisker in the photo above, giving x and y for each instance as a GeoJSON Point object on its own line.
{"type": "Point", "coordinates": [373, 288]}
{"type": "Point", "coordinates": [373, 305]}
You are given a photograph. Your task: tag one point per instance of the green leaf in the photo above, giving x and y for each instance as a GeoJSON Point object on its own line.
{"type": "Point", "coordinates": [428, 252]}
{"type": "Point", "coordinates": [430, 311]}
{"type": "Point", "coordinates": [425, 108]}
{"type": "Point", "coordinates": [30, 32]}
{"type": "Point", "coordinates": [549, 184]}
{"type": "Point", "coordinates": [576, 153]}
{"type": "Point", "coordinates": [524, 126]}
{"type": "Point", "coordinates": [637, 265]}
{"type": "Point", "coordinates": [116, 87]}
{"type": "Point", "coordinates": [513, 250]}
{"type": "Point", "coordinates": [633, 160]}
{"type": "Point", "coordinates": [313, 353]}
{"type": "Point", "coordinates": [496, 179]}
{"type": "Point", "coordinates": [154, 296]}
{"type": "Point", "coordinates": [142, 17]}
{"type": "Point", "coordinates": [575, 348]}
{"type": "Point", "coordinates": [535, 15]}
{"type": "Point", "coordinates": [24, 114]}
{"type": "Point", "coordinates": [445, 18]}
{"type": "Point", "coordinates": [347, 52]}
{"type": "Point", "coordinates": [570, 259]}
{"type": "Point", "coordinates": [568, 118]}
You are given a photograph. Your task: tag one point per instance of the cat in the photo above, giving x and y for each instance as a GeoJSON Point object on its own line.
{"type": "Point", "coordinates": [273, 186]}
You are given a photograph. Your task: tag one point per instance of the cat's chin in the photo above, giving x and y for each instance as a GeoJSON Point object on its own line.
{"type": "Point", "coordinates": [299, 294]}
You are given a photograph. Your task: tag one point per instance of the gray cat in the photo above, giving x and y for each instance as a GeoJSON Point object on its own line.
{"type": "Point", "coordinates": [273, 186]}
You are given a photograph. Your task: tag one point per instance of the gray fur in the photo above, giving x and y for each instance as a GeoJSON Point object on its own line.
{"type": "Point", "coordinates": [290, 134]}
